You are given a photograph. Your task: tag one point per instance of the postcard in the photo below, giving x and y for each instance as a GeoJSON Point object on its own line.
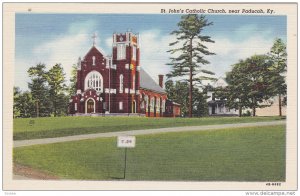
{"type": "Point", "coordinates": [150, 96]}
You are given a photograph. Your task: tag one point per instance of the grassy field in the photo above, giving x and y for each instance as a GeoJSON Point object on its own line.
{"type": "Point", "coordinates": [31, 128]}
{"type": "Point", "coordinates": [247, 154]}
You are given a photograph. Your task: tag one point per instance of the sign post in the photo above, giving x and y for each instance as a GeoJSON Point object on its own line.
{"type": "Point", "coordinates": [126, 142]}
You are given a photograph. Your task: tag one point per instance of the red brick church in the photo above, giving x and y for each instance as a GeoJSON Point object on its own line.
{"type": "Point", "coordinates": [117, 85]}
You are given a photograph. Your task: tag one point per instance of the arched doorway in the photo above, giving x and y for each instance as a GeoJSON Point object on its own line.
{"type": "Point", "coordinates": [90, 106]}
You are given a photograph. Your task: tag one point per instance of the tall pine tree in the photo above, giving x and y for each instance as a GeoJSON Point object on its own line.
{"type": "Point", "coordinates": [278, 56]}
{"type": "Point", "coordinates": [57, 88]}
{"type": "Point", "coordinates": [39, 90]}
{"type": "Point", "coordinates": [190, 52]}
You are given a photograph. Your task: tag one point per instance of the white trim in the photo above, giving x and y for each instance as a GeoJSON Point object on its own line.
{"type": "Point", "coordinates": [78, 91]}
{"type": "Point", "coordinates": [86, 104]}
{"type": "Point", "coordinates": [134, 49]}
{"type": "Point", "coordinates": [127, 66]}
{"type": "Point", "coordinates": [137, 92]}
{"type": "Point", "coordinates": [112, 90]}
{"type": "Point", "coordinates": [75, 106]}
{"type": "Point", "coordinates": [138, 68]}
{"type": "Point", "coordinates": [126, 90]}
{"type": "Point", "coordinates": [132, 91]}
{"type": "Point", "coordinates": [120, 105]}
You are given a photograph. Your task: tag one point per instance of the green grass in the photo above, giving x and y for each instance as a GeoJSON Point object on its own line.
{"type": "Point", "coordinates": [240, 154]}
{"type": "Point", "coordinates": [64, 126]}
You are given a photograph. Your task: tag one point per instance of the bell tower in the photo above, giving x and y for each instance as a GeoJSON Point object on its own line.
{"type": "Point", "coordinates": [126, 58]}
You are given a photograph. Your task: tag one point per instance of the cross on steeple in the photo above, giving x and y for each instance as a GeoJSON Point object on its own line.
{"type": "Point", "coordinates": [94, 39]}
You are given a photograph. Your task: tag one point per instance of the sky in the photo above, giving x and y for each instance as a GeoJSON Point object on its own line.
{"type": "Point", "coordinates": [62, 38]}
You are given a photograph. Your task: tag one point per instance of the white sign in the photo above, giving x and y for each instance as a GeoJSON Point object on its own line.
{"type": "Point", "coordinates": [126, 141]}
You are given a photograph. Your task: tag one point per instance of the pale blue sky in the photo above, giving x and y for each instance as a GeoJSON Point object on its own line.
{"type": "Point", "coordinates": [62, 38]}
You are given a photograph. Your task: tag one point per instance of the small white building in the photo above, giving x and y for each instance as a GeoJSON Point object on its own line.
{"type": "Point", "coordinates": [217, 106]}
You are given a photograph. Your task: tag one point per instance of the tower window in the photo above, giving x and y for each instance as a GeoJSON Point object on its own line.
{"type": "Point", "coordinates": [94, 60]}
{"type": "Point", "coordinates": [121, 83]}
{"type": "Point", "coordinates": [134, 53]}
{"type": "Point", "coordinates": [121, 51]}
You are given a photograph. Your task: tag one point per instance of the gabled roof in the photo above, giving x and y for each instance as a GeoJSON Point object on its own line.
{"type": "Point", "coordinates": [97, 49]}
{"type": "Point", "coordinates": [146, 82]}
{"type": "Point", "coordinates": [220, 83]}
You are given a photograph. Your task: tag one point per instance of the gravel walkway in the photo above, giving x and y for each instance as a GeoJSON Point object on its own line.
{"type": "Point", "coordinates": [21, 143]}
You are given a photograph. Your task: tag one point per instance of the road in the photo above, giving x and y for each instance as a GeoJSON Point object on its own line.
{"type": "Point", "coordinates": [22, 143]}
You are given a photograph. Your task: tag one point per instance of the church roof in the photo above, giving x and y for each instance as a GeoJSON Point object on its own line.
{"type": "Point", "coordinates": [146, 82]}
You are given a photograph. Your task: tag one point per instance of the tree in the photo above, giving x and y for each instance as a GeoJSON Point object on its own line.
{"type": "Point", "coordinates": [56, 78]}
{"type": "Point", "coordinates": [16, 109]}
{"type": "Point", "coordinates": [249, 84]}
{"type": "Point", "coordinates": [73, 80]}
{"type": "Point", "coordinates": [23, 104]}
{"type": "Point", "coordinates": [278, 56]}
{"type": "Point", "coordinates": [190, 52]}
{"type": "Point", "coordinates": [178, 92]}
{"type": "Point", "coordinates": [39, 90]}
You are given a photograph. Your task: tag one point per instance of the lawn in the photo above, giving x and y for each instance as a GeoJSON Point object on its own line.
{"type": "Point", "coordinates": [239, 154]}
{"type": "Point", "coordinates": [32, 128]}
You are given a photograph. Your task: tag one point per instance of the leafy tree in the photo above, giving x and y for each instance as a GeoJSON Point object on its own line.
{"type": "Point", "coordinates": [16, 109]}
{"type": "Point", "coordinates": [39, 90]}
{"type": "Point", "coordinates": [190, 52]}
{"type": "Point", "coordinates": [23, 104]}
{"type": "Point", "coordinates": [73, 80]}
{"type": "Point", "coordinates": [178, 92]}
{"type": "Point", "coordinates": [56, 78]}
{"type": "Point", "coordinates": [278, 56]}
{"type": "Point", "coordinates": [249, 84]}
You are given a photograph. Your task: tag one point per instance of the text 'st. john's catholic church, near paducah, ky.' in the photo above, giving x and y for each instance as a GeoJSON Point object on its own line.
{"type": "Point", "coordinates": [117, 85]}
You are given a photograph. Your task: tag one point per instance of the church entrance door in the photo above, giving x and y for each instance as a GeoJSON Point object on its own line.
{"type": "Point", "coordinates": [90, 106]}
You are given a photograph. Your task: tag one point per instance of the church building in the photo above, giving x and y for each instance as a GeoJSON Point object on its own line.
{"type": "Point", "coordinates": [117, 85]}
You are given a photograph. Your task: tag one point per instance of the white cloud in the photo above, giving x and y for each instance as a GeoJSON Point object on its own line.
{"type": "Point", "coordinates": [154, 54]}
{"type": "Point", "coordinates": [66, 49]}
{"type": "Point", "coordinates": [229, 52]}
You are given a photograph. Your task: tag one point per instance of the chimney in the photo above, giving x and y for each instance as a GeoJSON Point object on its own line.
{"type": "Point", "coordinates": [161, 80]}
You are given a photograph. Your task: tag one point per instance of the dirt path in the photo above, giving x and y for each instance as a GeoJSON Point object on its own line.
{"type": "Point", "coordinates": [21, 143]}
{"type": "Point", "coordinates": [21, 172]}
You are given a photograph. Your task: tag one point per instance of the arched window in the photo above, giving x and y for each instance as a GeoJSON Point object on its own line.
{"type": "Point", "coordinates": [94, 80]}
{"type": "Point", "coordinates": [121, 83]}
{"type": "Point", "coordinates": [94, 60]}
